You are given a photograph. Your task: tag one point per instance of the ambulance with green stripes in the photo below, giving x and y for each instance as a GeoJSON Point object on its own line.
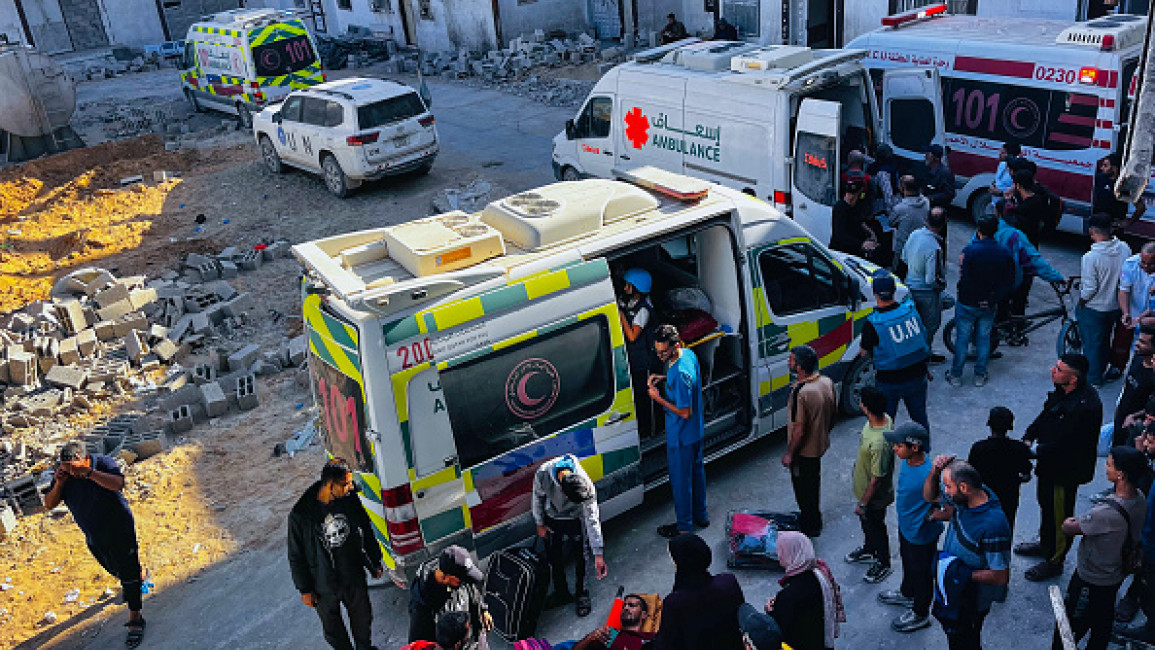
{"type": "Point", "coordinates": [240, 61]}
{"type": "Point", "coordinates": [451, 355]}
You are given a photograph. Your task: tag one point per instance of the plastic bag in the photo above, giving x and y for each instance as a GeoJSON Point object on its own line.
{"type": "Point", "coordinates": [684, 298]}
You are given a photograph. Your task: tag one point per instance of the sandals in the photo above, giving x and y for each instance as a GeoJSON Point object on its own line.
{"type": "Point", "coordinates": [135, 632]}
{"type": "Point", "coordinates": [583, 606]}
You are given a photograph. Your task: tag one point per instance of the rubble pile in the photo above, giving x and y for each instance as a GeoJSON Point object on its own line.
{"type": "Point", "coordinates": [100, 338]}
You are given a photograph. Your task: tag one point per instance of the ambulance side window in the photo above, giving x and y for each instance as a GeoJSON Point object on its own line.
{"type": "Point", "coordinates": [313, 111]}
{"type": "Point", "coordinates": [190, 56]}
{"type": "Point", "coordinates": [595, 119]}
{"type": "Point", "coordinates": [334, 114]}
{"type": "Point", "coordinates": [530, 390]}
{"type": "Point", "coordinates": [291, 110]}
{"type": "Point", "coordinates": [814, 171]}
{"type": "Point", "coordinates": [911, 123]}
{"type": "Point", "coordinates": [797, 278]}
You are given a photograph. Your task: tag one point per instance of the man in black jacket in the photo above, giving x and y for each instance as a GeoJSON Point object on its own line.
{"type": "Point", "coordinates": [331, 543]}
{"type": "Point", "coordinates": [1066, 435]}
{"type": "Point", "coordinates": [938, 183]}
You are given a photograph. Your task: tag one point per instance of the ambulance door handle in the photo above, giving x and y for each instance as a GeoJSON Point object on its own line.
{"type": "Point", "coordinates": [607, 153]}
{"type": "Point", "coordinates": [450, 461]}
{"type": "Point", "coordinates": [801, 206]}
{"type": "Point", "coordinates": [615, 417]}
{"type": "Point", "coordinates": [624, 157]}
{"type": "Point", "coordinates": [420, 494]}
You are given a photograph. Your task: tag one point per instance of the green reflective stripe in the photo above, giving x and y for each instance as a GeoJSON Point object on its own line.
{"type": "Point", "coordinates": [612, 461]}
{"type": "Point", "coordinates": [504, 298]}
{"type": "Point", "coordinates": [588, 273]}
{"type": "Point", "coordinates": [328, 352]}
{"type": "Point", "coordinates": [442, 524]}
{"type": "Point", "coordinates": [407, 442]}
{"type": "Point", "coordinates": [401, 330]}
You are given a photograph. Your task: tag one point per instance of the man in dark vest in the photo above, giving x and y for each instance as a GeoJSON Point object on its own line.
{"type": "Point", "coordinates": [894, 335]}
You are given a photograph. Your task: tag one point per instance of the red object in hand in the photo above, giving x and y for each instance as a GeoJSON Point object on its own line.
{"type": "Point", "coordinates": [614, 620]}
{"type": "Point", "coordinates": [260, 247]}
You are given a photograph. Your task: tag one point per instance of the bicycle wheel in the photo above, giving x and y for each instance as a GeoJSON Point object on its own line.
{"type": "Point", "coordinates": [948, 337]}
{"type": "Point", "coordinates": [1068, 340]}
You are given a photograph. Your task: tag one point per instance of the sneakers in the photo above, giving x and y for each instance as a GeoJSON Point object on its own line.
{"type": "Point", "coordinates": [1029, 549]}
{"type": "Point", "coordinates": [1044, 571]}
{"type": "Point", "coordinates": [909, 622]}
{"type": "Point", "coordinates": [981, 380]}
{"type": "Point", "coordinates": [937, 358]}
{"type": "Point", "coordinates": [704, 523]}
{"type": "Point", "coordinates": [877, 573]}
{"type": "Point", "coordinates": [859, 556]}
{"type": "Point", "coordinates": [895, 597]}
{"type": "Point", "coordinates": [1138, 633]}
{"type": "Point", "coordinates": [952, 380]}
{"type": "Point", "coordinates": [669, 531]}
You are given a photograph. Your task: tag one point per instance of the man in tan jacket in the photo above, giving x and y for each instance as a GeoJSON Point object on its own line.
{"type": "Point", "coordinates": [811, 407]}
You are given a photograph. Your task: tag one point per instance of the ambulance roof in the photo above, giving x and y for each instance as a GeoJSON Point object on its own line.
{"type": "Point", "coordinates": [1007, 32]}
{"type": "Point", "coordinates": [243, 19]}
{"type": "Point", "coordinates": [543, 228]}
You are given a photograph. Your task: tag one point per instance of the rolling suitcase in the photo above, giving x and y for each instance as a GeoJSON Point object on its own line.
{"type": "Point", "coordinates": [515, 586]}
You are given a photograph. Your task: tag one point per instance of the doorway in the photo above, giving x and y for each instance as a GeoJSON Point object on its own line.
{"type": "Point", "coordinates": [824, 23]}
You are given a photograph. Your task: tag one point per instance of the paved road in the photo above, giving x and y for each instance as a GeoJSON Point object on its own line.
{"type": "Point", "coordinates": [249, 600]}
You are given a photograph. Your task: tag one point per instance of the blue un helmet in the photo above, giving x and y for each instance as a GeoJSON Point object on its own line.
{"type": "Point", "coordinates": [640, 278]}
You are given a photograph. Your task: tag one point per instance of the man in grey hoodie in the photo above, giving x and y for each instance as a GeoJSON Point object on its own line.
{"type": "Point", "coordinates": [923, 256]}
{"type": "Point", "coordinates": [565, 509]}
{"type": "Point", "coordinates": [907, 216]}
{"type": "Point", "coordinates": [1098, 302]}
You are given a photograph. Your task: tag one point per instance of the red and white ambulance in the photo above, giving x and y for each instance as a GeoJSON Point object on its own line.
{"type": "Point", "coordinates": [1062, 90]}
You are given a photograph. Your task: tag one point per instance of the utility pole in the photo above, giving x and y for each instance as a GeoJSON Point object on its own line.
{"type": "Point", "coordinates": [1140, 147]}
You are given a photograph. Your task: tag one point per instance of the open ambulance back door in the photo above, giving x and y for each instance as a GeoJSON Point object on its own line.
{"type": "Point", "coordinates": [815, 179]}
{"type": "Point", "coordinates": [912, 111]}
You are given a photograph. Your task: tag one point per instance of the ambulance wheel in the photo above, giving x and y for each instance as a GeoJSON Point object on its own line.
{"type": "Point", "coordinates": [979, 204]}
{"type": "Point", "coordinates": [335, 178]}
{"type": "Point", "coordinates": [244, 116]}
{"type": "Point", "coordinates": [193, 101]}
{"type": "Point", "coordinates": [423, 169]}
{"type": "Point", "coordinates": [271, 157]}
{"type": "Point", "coordinates": [859, 376]}
{"type": "Point", "coordinates": [570, 174]}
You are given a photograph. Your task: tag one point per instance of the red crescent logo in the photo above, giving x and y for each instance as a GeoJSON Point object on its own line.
{"type": "Point", "coordinates": [522, 395]}
{"type": "Point", "coordinates": [545, 378]}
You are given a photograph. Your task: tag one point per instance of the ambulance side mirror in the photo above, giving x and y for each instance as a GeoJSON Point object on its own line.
{"type": "Point", "coordinates": [570, 130]}
{"type": "Point", "coordinates": [277, 117]}
{"type": "Point", "coordinates": [853, 294]}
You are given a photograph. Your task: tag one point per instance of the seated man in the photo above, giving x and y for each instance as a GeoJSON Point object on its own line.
{"type": "Point", "coordinates": [630, 637]}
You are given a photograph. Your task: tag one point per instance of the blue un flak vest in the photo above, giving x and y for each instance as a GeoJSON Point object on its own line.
{"type": "Point", "coordinates": [901, 338]}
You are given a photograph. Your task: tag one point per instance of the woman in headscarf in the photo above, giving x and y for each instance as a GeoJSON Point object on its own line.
{"type": "Point", "coordinates": [809, 606]}
{"type": "Point", "coordinates": [702, 610]}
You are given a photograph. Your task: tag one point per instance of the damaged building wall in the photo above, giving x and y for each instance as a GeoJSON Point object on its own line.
{"type": "Point", "coordinates": [449, 25]}
{"type": "Point", "coordinates": [132, 22]}
{"type": "Point", "coordinates": [759, 21]}
{"type": "Point", "coordinates": [10, 22]}
{"type": "Point", "coordinates": [381, 17]}
{"type": "Point", "coordinates": [181, 16]}
{"type": "Point", "coordinates": [45, 22]}
{"type": "Point", "coordinates": [524, 16]}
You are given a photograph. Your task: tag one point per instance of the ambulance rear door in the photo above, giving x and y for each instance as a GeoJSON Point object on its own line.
{"type": "Point", "coordinates": [494, 385]}
{"type": "Point", "coordinates": [912, 117]}
{"type": "Point", "coordinates": [815, 179]}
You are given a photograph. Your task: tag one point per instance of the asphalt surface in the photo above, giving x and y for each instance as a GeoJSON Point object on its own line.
{"type": "Point", "coordinates": [249, 601]}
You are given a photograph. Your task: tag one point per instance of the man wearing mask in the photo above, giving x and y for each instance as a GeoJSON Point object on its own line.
{"type": "Point", "coordinates": [450, 582]}
{"type": "Point", "coordinates": [1066, 438]}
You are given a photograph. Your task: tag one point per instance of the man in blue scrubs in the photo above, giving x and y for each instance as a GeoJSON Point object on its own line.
{"type": "Point", "coordinates": [682, 401]}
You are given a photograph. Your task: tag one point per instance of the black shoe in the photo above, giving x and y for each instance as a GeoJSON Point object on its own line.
{"type": "Point", "coordinates": [1126, 610]}
{"type": "Point", "coordinates": [1029, 549]}
{"type": "Point", "coordinates": [1044, 570]}
{"type": "Point", "coordinates": [937, 358]}
{"type": "Point", "coordinates": [705, 523]}
{"type": "Point", "coordinates": [860, 556]}
{"type": "Point", "coordinates": [995, 355]}
{"type": "Point", "coordinates": [877, 573]}
{"type": "Point", "coordinates": [669, 531]}
{"type": "Point", "coordinates": [813, 532]}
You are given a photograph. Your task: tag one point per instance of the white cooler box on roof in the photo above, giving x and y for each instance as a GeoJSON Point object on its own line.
{"type": "Point", "coordinates": [710, 56]}
{"type": "Point", "coordinates": [770, 57]}
{"type": "Point", "coordinates": [443, 243]}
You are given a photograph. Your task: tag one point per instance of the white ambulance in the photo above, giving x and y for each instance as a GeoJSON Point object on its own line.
{"type": "Point", "coordinates": [451, 356]}
{"type": "Point", "coordinates": [1061, 90]}
{"type": "Point", "coordinates": [241, 60]}
{"type": "Point", "coordinates": [772, 121]}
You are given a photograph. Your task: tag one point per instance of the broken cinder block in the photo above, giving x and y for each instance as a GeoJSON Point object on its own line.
{"type": "Point", "coordinates": [247, 392]}
{"type": "Point", "coordinates": [215, 402]}
{"type": "Point", "coordinates": [243, 358]}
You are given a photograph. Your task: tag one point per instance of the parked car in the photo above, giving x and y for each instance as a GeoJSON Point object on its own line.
{"type": "Point", "coordinates": [349, 131]}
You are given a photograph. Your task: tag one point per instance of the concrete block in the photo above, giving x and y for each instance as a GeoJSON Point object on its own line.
{"type": "Point", "coordinates": [69, 351]}
{"type": "Point", "coordinates": [201, 323]}
{"type": "Point", "coordinates": [20, 322]}
{"type": "Point", "coordinates": [241, 304]}
{"type": "Point", "coordinates": [228, 270]}
{"type": "Point", "coordinates": [215, 402]}
{"type": "Point", "coordinates": [208, 272]}
{"type": "Point", "coordinates": [141, 297]}
{"type": "Point", "coordinates": [251, 260]}
{"type": "Point", "coordinates": [4, 375]}
{"type": "Point", "coordinates": [22, 367]}
{"type": "Point", "coordinates": [70, 314]}
{"type": "Point", "coordinates": [135, 346]}
{"type": "Point", "coordinates": [134, 321]}
{"type": "Point", "coordinates": [181, 419]}
{"type": "Point", "coordinates": [105, 369]}
{"type": "Point", "coordinates": [243, 358]}
{"type": "Point", "coordinates": [46, 364]}
{"type": "Point", "coordinates": [194, 260]}
{"type": "Point", "coordinates": [174, 382]}
{"type": "Point", "coordinates": [149, 362]}
{"type": "Point", "coordinates": [7, 520]}
{"type": "Point", "coordinates": [114, 310]}
{"type": "Point", "coordinates": [157, 332]}
{"type": "Point", "coordinates": [86, 342]}
{"type": "Point", "coordinates": [215, 313]}
{"type": "Point", "coordinates": [224, 291]}
{"type": "Point", "coordinates": [152, 442]}
{"type": "Point", "coordinates": [181, 327]}
{"type": "Point", "coordinates": [228, 254]}
{"type": "Point", "coordinates": [166, 351]}
{"type": "Point", "coordinates": [111, 295]}
{"type": "Point", "coordinates": [73, 377]}
{"type": "Point", "coordinates": [247, 392]}
{"type": "Point", "coordinates": [298, 350]}
{"type": "Point", "coordinates": [105, 330]}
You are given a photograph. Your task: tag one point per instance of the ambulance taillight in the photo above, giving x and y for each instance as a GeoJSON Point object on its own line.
{"type": "Point", "coordinates": [401, 520]}
{"type": "Point", "coordinates": [1088, 76]}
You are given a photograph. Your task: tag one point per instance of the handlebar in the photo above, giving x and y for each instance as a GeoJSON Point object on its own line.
{"type": "Point", "coordinates": [1065, 287]}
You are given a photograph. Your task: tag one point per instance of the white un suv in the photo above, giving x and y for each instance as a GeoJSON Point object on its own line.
{"type": "Point", "coordinates": [349, 131]}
